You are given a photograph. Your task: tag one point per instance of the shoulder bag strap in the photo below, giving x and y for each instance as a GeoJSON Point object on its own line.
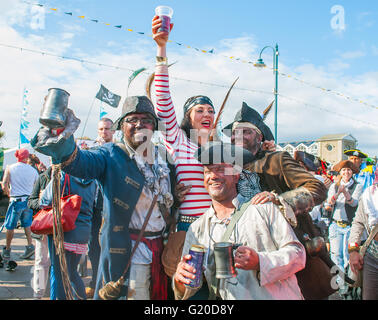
{"type": "Point", "coordinates": [369, 239]}
{"type": "Point", "coordinates": [235, 218]}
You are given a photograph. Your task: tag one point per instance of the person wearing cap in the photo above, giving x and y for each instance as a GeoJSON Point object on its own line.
{"type": "Point", "coordinates": [366, 169]}
{"type": "Point", "coordinates": [18, 183]}
{"type": "Point", "coordinates": [280, 175]}
{"type": "Point", "coordinates": [269, 254]}
{"type": "Point", "coordinates": [343, 196]}
{"type": "Point", "coordinates": [130, 173]}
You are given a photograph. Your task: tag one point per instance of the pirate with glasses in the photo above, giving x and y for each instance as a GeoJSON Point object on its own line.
{"type": "Point", "coordinates": [131, 173]}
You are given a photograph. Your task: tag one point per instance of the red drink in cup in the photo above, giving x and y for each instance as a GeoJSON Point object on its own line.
{"type": "Point", "coordinates": [165, 14]}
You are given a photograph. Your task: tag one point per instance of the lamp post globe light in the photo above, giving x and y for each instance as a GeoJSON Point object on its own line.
{"type": "Point", "coordinates": [260, 64]}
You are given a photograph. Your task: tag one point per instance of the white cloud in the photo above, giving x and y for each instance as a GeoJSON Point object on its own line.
{"type": "Point", "coordinates": [304, 112]}
{"type": "Point", "coordinates": [353, 54]}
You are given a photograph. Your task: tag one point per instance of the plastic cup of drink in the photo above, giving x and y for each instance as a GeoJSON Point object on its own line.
{"type": "Point", "coordinates": [165, 14]}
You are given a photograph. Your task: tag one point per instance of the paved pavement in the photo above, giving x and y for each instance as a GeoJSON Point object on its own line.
{"type": "Point", "coordinates": [16, 285]}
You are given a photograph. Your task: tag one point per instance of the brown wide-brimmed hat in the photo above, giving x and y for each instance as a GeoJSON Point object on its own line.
{"type": "Point", "coordinates": [345, 164]}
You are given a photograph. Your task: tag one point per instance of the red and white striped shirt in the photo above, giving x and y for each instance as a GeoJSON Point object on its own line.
{"type": "Point", "coordinates": [188, 170]}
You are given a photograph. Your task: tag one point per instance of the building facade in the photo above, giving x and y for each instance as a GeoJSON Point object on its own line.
{"type": "Point", "coordinates": [328, 148]}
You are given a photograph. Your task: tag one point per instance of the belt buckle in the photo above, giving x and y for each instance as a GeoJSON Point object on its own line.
{"type": "Point", "coordinates": [341, 224]}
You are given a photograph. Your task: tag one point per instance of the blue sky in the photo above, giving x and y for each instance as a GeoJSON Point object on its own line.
{"type": "Point", "coordinates": [310, 48]}
{"type": "Point", "coordinates": [301, 28]}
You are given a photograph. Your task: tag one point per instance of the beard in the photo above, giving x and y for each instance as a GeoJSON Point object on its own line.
{"type": "Point", "coordinates": [217, 193]}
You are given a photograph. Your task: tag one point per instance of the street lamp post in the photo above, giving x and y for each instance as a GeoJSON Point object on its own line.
{"type": "Point", "coordinates": [260, 64]}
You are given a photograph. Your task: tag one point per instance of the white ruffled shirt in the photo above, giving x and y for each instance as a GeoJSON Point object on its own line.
{"type": "Point", "coordinates": [157, 179]}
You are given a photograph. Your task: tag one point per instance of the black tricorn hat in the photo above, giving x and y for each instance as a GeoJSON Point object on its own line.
{"type": "Point", "coordinates": [136, 104]}
{"type": "Point", "coordinates": [356, 153]}
{"type": "Point", "coordinates": [248, 114]}
{"type": "Point", "coordinates": [216, 152]}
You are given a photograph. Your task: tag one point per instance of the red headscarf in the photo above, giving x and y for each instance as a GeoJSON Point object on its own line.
{"type": "Point", "coordinates": [22, 155]}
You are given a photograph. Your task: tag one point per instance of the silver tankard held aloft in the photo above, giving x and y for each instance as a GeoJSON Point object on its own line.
{"type": "Point", "coordinates": [53, 113]}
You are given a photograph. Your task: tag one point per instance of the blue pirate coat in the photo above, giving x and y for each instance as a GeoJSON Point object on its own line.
{"type": "Point", "coordinates": [122, 184]}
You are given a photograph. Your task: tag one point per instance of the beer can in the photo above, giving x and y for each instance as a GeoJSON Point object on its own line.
{"type": "Point", "coordinates": [197, 252]}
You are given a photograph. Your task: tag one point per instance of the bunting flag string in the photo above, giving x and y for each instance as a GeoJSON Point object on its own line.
{"type": "Point", "coordinates": [328, 110]}
{"type": "Point", "coordinates": [181, 79]}
{"type": "Point", "coordinates": [212, 51]}
{"type": "Point", "coordinates": [44, 53]}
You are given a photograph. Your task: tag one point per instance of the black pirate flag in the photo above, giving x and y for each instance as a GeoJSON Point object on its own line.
{"type": "Point", "coordinates": [108, 97]}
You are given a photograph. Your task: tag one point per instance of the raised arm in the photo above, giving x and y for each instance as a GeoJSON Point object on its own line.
{"type": "Point", "coordinates": [165, 108]}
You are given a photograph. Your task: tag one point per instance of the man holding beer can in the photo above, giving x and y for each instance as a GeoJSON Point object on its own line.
{"type": "Point", "coordinates": [268, 253]}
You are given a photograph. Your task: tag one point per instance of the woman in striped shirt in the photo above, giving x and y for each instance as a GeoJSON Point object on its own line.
{"type": "Point", "coordinates": [183, 140]}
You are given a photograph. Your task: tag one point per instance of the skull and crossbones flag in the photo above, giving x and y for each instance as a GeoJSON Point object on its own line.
{"type": "Point", "coordinates": [108, 97]}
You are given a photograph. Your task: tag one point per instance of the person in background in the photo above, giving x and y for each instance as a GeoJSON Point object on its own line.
{"type": "Point", "coordinates": [312, 165]}
{"type": "Point", "coordinates": [41, 260]}
{"type": "Point", "coordinates": [366, 170]}
{"type": "Point", "coordinates": [76, 240]}
{"type": "Point", "coordinates": [34, 161]}
{"type": "Point", "coordinates": [366, 219]}
{"type": "Point", "coordinates": [18, 182]}
{"type": "Point", "coordinates": [105, 135]}
{"type": "Point", "coordinates": [343, 196]}
{"type": "Point", "coordinates": [105, 131]}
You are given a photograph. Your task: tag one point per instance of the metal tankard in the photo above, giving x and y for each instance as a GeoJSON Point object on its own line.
{"type": "Point", "coordinates": [53, 113]}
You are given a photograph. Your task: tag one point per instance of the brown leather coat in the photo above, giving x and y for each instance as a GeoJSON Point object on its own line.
{"type": "Point", "coordinates": [280, 173]}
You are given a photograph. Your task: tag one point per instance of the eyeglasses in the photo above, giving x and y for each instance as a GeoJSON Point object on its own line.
{"type": "Point", "coordinates": [143, 121]}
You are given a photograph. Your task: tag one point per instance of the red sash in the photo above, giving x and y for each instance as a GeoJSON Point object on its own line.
{"type": "Point", "coordinates": [159, 281]}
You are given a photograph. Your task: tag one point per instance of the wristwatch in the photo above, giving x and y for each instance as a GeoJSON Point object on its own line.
{"type": "Point", "coordinates": [161, 61]}
{"type": "Point", "coordinates": [353, 247]}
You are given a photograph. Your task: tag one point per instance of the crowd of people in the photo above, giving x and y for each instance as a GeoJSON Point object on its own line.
{"type": "Point", "coordinates": [296, 223]}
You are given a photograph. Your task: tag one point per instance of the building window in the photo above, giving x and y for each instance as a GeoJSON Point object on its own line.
{"type": "Point", "coordinates": [329, 147]}
{"type": "Point", "coordinates": [314, 149]}
{"type": "Point", "coordinates": [301, 148]}
{"type": "Point", "coordinates": [289, 149]}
